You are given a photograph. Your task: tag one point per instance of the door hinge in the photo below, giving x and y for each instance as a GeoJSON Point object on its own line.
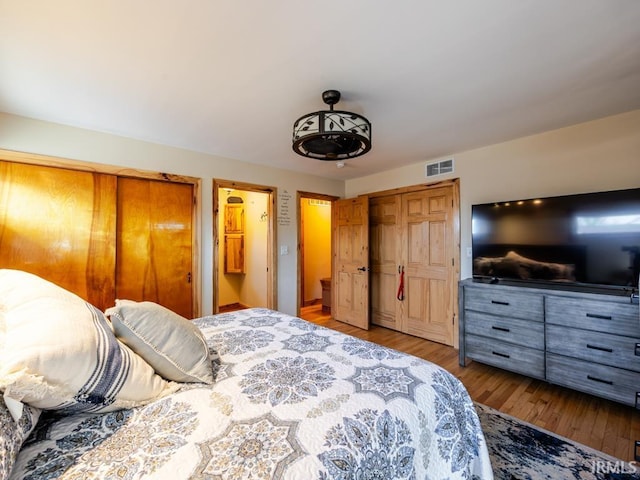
{"type": "Point", "coordinates": [189, 277]}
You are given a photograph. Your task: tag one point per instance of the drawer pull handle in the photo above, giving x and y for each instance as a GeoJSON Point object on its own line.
{"type": "Point", "coordinates": [504, 355]}
{"type": "Point", "coordinates": [502, 329]}
{"type": "Point", "coordinates": [596, 379]}
{"type": "Point", "coordinates": [602, 349]}
{"type": "Point", "coordinates": [498, 302]}
{"type": "Point", "coordinates": [637, 350]}
{"type": "Point", "coordinates": [601, 317]}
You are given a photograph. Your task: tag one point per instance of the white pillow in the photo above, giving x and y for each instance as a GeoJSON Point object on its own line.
{"type": "Point", "coordinates": [170, 343]}
{"type": "Point", "coordinates": [59, 352]}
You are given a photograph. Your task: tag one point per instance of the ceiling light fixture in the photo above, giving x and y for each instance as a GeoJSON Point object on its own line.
{"type": "Point", "coordinates": [331, 134]}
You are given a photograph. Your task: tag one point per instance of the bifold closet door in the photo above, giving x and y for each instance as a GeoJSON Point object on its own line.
{"type": "Point", "coordinates": [385, 217]}
{"type": "Point", "coordinates": [60, 224]}
{"type": "Point", "coordinates": [155, 243]}
{"type": "Point", "coordinates": [412, 242]}
{"type": "Point", "coordinates": [430, 275]}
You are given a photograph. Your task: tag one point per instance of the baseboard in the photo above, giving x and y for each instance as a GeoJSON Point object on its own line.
{"type": "Point", "coordinates": [308, 303]}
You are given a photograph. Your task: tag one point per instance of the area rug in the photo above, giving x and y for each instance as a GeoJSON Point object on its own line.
{"type": "Point", "coordinates": [521, 451]}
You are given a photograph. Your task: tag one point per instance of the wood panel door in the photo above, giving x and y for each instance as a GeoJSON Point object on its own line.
{"type": "Point", "coordinates": [415, 233]}
{"type": "Point", "coordinates": [430, 273]}
{"type": "Point", "coordinates": [155, 243]}
{"type": "Point", "coordinates": [350, 225]}
{"type": "Point", "coordinates": [60, 224]}
{"type": "Point", "coordinates": [385, 249]}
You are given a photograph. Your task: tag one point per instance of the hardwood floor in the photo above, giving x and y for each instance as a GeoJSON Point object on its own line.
{"type": "Point", "coordinates": [598, 423]}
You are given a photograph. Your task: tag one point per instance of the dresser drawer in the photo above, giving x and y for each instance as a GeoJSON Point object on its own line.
{"type": "Point", "coordinates": [512, 330]}
{"type": "Point", "coordinates": [516, 358]}
{"type": "Point", "coordinates": [609, 382]}
{"type": "Point", "coordinates": [613, 350]}
{"type": "Point", "coordinates": [507, 303]}
{"type": "Point", "coordinates": [618, 318]}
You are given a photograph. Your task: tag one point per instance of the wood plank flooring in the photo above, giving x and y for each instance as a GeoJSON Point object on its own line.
{"type": "Point", "coordinates": [595, 422]}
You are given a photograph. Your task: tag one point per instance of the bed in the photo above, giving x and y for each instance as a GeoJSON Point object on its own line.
{"type": "Point", "coordinates": [288, 399]}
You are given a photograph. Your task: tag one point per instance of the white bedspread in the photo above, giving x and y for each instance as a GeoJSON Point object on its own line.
{"type": "Point", "coordinates": [292, 400]}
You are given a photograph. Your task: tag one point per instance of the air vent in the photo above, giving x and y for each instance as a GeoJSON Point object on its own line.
{"type": "Point", "coordinates": [439, 168]}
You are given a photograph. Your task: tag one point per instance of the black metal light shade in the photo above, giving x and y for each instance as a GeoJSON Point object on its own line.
{"type": "Point", "coordinates": [331, 134]}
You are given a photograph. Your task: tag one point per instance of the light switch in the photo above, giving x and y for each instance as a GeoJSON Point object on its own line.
{"type": "Point", "coordinates": [284, 250]}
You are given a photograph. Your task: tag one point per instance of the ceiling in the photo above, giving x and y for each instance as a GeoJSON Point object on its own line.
{"type": "Point", "coordinates": [229, 78]}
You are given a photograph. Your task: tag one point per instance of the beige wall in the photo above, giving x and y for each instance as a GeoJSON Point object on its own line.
{"type": "Point", "coordinates": [599, 155]}
{"type": "Point", "coordinates": [27, 135]}
{"type": "Point", "coordinates": [593, 156]}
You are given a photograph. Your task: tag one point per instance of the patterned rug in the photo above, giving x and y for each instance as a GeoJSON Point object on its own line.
{"type": "Point", "coordinates": [520, 451]}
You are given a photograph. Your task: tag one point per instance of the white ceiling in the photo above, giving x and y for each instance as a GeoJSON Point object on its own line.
{"type": "Point", "coordinates": [229, 77]}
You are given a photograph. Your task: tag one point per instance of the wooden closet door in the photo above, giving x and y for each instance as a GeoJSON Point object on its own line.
{"type": "Point", "coordinates": [428, 258]}
{"type": "Point", "coordinates": [385, 245]}
{"type": "Point", "coordinates": [416, 232]}
{"type": "Point", "coordinates": [60, 224]}
{"type": "Point", "coordinates": [155, 243]}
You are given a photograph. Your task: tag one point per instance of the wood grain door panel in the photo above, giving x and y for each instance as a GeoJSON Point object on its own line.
{"type": "Point", "coordinates": [350, 303]}
{"type": "Point", "coordinates": [430, 272]}
{"type": "Point", "coordinates": [60, 224]}
{"type": "Point", "coordinates": [155, 243]}
{"type": "Point", "coordinates": [415, 231]}
{"type": "Point", "coordinates": [384, 304]}
{"type": "Point", "coordinates": [385, 247]}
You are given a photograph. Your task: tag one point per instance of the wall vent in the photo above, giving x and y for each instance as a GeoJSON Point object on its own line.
{"type": "Point", "coordinates": [439, 168]}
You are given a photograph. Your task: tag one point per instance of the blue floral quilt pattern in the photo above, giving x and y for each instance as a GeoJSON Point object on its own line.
{"type": "Point", "coordinates": [292, 400]}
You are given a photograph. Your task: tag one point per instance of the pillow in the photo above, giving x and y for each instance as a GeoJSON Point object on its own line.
{"type": "Point", "coordinates": [59, 352]}
{"type": "Point", "coordinates": [13, 434]}
{"type": "Point", "coordinates": [170, 343]}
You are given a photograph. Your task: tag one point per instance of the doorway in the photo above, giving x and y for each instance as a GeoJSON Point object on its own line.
{"type": "Point", "coordinates": [314, 250]}
{"type": "Point", "coordinates": [244, 245]}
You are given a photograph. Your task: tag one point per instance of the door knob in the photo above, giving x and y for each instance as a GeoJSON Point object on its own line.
{"type": "Point", "coordinates": [362, 269]}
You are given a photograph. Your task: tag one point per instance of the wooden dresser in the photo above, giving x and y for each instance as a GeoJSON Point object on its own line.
{"type": "Point", "coordinates": [586, 341]}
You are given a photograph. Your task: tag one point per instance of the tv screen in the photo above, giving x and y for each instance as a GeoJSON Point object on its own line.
{"type": "Point", "coordinates": [588, 239]}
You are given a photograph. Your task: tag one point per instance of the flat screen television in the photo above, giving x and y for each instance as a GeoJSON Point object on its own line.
{"type": "Point", "coordinates": [585, 241]}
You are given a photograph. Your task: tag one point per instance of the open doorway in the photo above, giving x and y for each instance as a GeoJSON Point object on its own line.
{"type": "Point", "coordinates": [244, 245]}
{"type": "Point", "coordinates": [314, 250]}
